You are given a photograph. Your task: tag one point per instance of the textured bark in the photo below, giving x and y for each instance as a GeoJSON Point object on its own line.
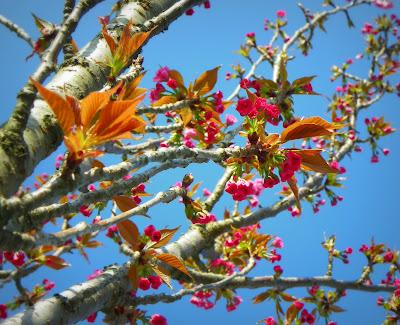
{"type": "Point", "coordinates": [77, 77]}
{"type": "Point", "coordinates": [79, 301]}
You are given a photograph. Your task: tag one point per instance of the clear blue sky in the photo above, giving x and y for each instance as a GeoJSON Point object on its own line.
{"type": "Point", "coordinates": [205, 40]}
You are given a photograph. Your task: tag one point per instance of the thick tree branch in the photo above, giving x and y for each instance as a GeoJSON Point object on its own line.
{"type": "Point", "coordinates": [78, 77]}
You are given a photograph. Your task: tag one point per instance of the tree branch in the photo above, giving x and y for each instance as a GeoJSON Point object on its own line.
{"type": "Point", "coordinates": [21, 33]}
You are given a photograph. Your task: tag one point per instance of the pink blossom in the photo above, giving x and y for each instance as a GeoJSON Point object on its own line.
{"type": "Point", "coordinates": [95, 274]}
{"type": "Point", "coordinates": [172, 83]}
{"type": "Point", "coordinates": [270, 321]}
{"type": "Point", "coordinates": [158, 319]}
{"type": "Point", "coordinates": [254, 202]}
{"type": "Point", "coordinates": [383, 4]}
{"type": "Point", "coordinates": [230, 120]}
{"type": "Point", "coordinates": [278, 242]}
{"type": "Point", "coordinates": [48, 285]}
{"type": "Point", "coordinates": [92, 318]}
{"type": "Point", "coordinates": [3, 311]}
{"type": "Point", "coordinates": [148, 231]}
{"type": "Point", "coordinates": [162, 75]}
{"type": "Point", "coordinates": [206, 192]}
{"type": "Point", "coordinates": [85, 210]}
{"type": "Point", "coordinates": [386, 151]}
{"type": "Point", "coordinates": [91, 188]}
{"type": "Point", "coordinates": [281, 13]}
{"type": "Point", "coordinates": [111, 231]}
{"type": "Point", "coordinates": [189, 12]}
{"type": "Point", "coordinates": [278, 269]}
{"type": "Point", "coordinates": [374, 159]}
{"type": "Point", "coordinates": [155, 281]}
{"type": "Point", "coordinates": [308, 88]}
{"type": "Point", "coordinates": [298, 304]}
{"type": "Point", "coordinates": [144, 284]}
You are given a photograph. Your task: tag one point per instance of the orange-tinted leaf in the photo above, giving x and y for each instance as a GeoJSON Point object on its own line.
{"type": "Point", "coordinates": [55, 262]}
{"type": "Point", "coordinates": [163, 275]}
{"type": "Point", "coordinates": [251, 96]}
{"type": "Point", "coordinates": [165, 100]}
{"type": "Point", "coordinates": [61, 108]}
{"type": "Point", "coordinates": [261, 297]}
{"type": "Point", "coordinates": [270, 140]}
{"type": "Point", "coordinates": [133, 277]}
{"type": "Point", "coordinates": [124, 203]}
{"type": "Point", "coordinates": [295, 190]}
{"type": "Point", "coordinates": [174, 74]}
{"type": "Point", "coordinates": [336, 309]}
{"type": "Point", "coordinates": [291, 314]}
{"type": "Point", "coordinates": [206, 81]}
{"type": "Point", "coordinates": [40, 179]}
{"type": "Point", "coordinates": [166, 235]}
{"type": "Point", "coordinates": [173, 261]}
{"type": "Point", "coordinates": [129, 232]}
{"type": "Point", "coordinates": [97, 164]}
{"type": "Point", "coordinates": [186, 115]}
{"type": "Point", "coordinates": [306, 128]}
{"type": "Point", "coordinates": [311, 159]}
{"type": "Point", "coordinates": [302, 81]}
{"type": "Point", "coordinates": [289, 298]}
{"type": "Point", "coordinates": [109, 40]}
{"type": "Point", "coordinates": [129, 44]}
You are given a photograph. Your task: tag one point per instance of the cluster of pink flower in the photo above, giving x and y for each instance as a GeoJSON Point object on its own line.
{"type": "Point", "coordinates": [278, 269]}
{"type": "Point", "coordinates": [383, 4]}
{"type": "Point", "coordinates": [246, 107]}
{"type": "Point", "coordinates": [204, 219]}
{"type": "Point", "coordinates": [223, 267]}
{"type": "Point", "coordinates": [111, 231]}
{"type": "Point", "coordinates": [48, 285]}
{"type": "Point", "coordinates": [335, 165]}
{"type": "Point", "coordinates": [85, 210]}
{"type": "Point", "coordinates": [201, 299]}
{"type": "Point", "coordinates": [141, 188]}
{"type": "Point", "coordinates": [241, 189]}
{"type": "Point", "coordinates": [151, 232]}
{"type": "Point", "coordinates": [158, 319]}
{"type": "Point", "coordinates": [59, 160]}
{"type": "Point", "coordinates": [274, 256]}
{"type": "Point", "coordinates": [190, 12]}
{"type": "Point", "coordinates": [3, 311]}
{"type": "Point", "coordinates": [153, 281]}
{"type": "Point", "coordinates": [162, 75]}
{"type": "Point", "coordinates": [289, 166]}
{"type": "Point", "coordinates": [320, 202]}
{"type": "Point", "coordinates": [306, 317]}
{"type": "Point", "coordinates": [233, 242]}
{"type": "Point", "coordinates": [294, 210]}
{"type": "Point", "coordinates": [233, 303]}
{"type": "Point", "coordinates": [212, 129]}
{"type": "Point", "coordinates": [219, 106]}
{"type": "Point", "coordinates": [15, 258]}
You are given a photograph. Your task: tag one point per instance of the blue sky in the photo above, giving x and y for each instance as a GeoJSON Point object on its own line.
{"type": "Point", "coordinates": [203, 41]}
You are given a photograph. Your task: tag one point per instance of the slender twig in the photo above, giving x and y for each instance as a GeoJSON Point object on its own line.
{"type": "Point", "coordinates": [251, 72]}
{"type": "Point", "coordinates": [115, 148]}
{"type": "Point", "coordinates": [318, 17]}
{"type": "Point", "coordinates": [222, 282]}
{"type": "Point", "coordinates": [166, 108]}
{"type": "Point", "coordinates": [218, 190]}
{"type": "Point", "coordinates": [84, 228]}
{"type": "Point", "coordinates": [21, 33]}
